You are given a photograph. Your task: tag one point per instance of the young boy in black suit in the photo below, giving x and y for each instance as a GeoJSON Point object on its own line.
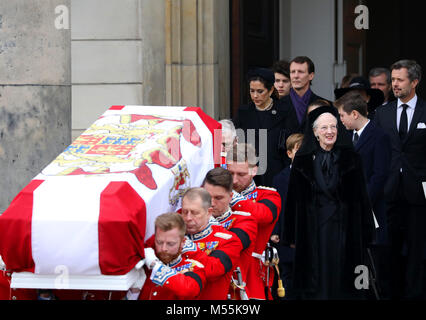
{"type": "Point", "coordinates": [373, 144]}
{"type": "Point", "coordinates": [280, 182]}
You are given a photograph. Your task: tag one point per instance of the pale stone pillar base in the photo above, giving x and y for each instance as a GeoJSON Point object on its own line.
{"type": "Point", "coordinates": [197, 54]}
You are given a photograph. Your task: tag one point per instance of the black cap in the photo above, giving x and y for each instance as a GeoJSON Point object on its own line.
{"type": "Point", "coordinates": [266, 74]}
{"type": "Point", "coordinates": [314, 114]}
{"type": "Point", "coordinates": [310, 143]}
{"type": "Point", "coordinates": [361, 83]}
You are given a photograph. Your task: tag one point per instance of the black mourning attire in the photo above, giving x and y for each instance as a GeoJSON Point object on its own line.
{"type": "Point", "coordinates": [361, 83]}
{"type": "Point", "coordinates": [328, 217]}
{"type": "Point", "coordinates": [278, 121]}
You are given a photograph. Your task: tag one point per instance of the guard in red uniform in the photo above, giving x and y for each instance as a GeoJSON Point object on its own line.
{"type": "Point", "coordinates": [264, 204]}
{"type": "Point", "coordinates": [218, 182]}
{"type": "Point", "coordinates": [181, 279]}
{"type": "Point", "coordinates": [170, 276]}
{"type": "Point", "coordinates": [221, 248]}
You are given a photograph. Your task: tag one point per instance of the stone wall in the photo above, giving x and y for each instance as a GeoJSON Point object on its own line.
{"type": "Point", "coordinates": [54, 83]}
{"type": "Point", "coordinates": [106, 58]}
{"type": "Point", "coordinates": [146, 52]}
{"type": "Point", "coordinates": [35, 90]}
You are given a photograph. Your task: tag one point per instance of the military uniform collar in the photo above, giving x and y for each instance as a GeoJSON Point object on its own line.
{"type": "Point", "coordinates": [205, 232]}
{"type": "Point", "coordinates": [224, 216]}
{"type": "Point", "coordinates": [249, 189]}
{"type": "Point", "coordinates": [175, 262]}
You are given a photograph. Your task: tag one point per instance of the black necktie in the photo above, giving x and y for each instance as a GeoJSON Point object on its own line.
{"type": "Point", "coordinates": [403, 122]}
{"type": "Point", "coordinates": [356, 138]}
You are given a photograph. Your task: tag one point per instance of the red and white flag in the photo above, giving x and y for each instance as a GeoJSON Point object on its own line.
{"type": "Point", "coordinates": [91, 209]}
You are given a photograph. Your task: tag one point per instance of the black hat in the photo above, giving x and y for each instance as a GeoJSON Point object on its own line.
{"type": "Point", "coordinates": [361, 83]}
{"type": "Point", "coordinates": [314, 114]}
{"type": "Point", "coordinates": [266, 74]}
{"type": "Point", "coordinates": [310, 143]}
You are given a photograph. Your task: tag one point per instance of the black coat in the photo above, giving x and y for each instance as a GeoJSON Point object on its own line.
{"type": "Point", "coordinates": [410, 154]}
{"type": "Point", "coordinates": [280, 183]}
{"type": "Point", "coordinates": [282, 124]}
{"type": "Point", "coordinates": [375, 150]}
{"type": "Point", "coordinates": [300, 221]}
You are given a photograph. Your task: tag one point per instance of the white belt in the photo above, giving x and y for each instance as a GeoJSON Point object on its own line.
{"type": "Point", "coordinates": [257, 255]}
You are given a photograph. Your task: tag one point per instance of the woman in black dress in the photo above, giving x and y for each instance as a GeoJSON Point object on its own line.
{"type": "Point", "coordinates": [265, 111]}
{"type": "Point", "coordinates": [328, 214]}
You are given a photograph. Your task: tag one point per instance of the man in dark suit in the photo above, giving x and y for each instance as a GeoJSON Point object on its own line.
{"type": "Point", "coordinates": [374, 146]}
{"type": "Point", "coordinates": [404, 121]}
{"type": "Point", "coordinates": [302, 72]}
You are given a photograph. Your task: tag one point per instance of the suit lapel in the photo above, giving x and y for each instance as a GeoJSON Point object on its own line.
{"type": "Point", "coordinates": [418, 112]}
{"type": "Point", "coordinates": [365, 136]}
{"type": "Point", "coordinates": [394, 114]}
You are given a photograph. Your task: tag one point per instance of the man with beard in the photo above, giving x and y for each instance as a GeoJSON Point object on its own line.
{"type": "Point", "coordinates": [218, 182]}
{"type": "Point", "coordinates": [404, 121]}
{"type": "Point", "coordinates": [173, 277]}
{"type": "Point", "coordinates": [218, 249]}
{"type": "Point", "coordinates": [263, 203]}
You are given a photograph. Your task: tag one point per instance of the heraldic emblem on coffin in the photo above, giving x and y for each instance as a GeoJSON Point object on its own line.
{"type": "Point", "coordinates": [94, 206]}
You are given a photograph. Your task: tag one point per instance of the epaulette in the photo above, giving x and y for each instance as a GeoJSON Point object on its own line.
{"type": "Point", "coordinates": [222, 235]}
{"type": "Point", "coordinates": [189, 246]}
{"type": "Point", "coordinates": [266, 188]}
{"type": "Point", "coordinates": [242, 213]}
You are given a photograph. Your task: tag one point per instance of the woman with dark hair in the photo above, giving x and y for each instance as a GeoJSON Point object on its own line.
{"type": "Point", "coordinates": [265, 111]}
{"type": "Point", "coordinates": [328, 215]}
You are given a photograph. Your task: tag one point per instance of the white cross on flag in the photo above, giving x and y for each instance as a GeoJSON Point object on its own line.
{"type": "Point", "coordinates": [93, 207]}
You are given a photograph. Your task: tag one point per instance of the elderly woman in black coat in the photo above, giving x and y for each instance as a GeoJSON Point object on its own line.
{"type": "Point", "coordinates": [328, 215]}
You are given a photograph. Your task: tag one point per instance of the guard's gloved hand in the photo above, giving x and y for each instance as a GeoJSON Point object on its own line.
{"type": "Point", "coordinates": [150, 258]}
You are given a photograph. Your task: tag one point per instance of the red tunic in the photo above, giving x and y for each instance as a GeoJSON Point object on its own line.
{"type": "Point", "coordinates": [183, 281]}
{"type": "Point", "coordinates": [223, 160]}
{"type": "Point", "coordinates": [219, 251]}
{"type": "Point", "coordinates": [265, 205]}
{"type": "Point", "coordinates": [244, 226]}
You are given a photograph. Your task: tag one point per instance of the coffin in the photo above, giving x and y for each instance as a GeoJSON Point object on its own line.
{"type": "Point", "coordinates": [89, 212]}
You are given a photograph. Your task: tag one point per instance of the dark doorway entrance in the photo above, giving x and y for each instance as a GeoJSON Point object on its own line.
{"type": "Point", "coordinates": [254, 42]}
{"type": "Point", "coordinates": [395, 33]}
{"type": "Point", "coordinates": [354, 49]}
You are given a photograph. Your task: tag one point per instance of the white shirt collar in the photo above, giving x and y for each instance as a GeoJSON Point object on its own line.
{"type": "Point", "coordinates": [411, 104]}
{"type": "Point", "coordinates": [362, 129]}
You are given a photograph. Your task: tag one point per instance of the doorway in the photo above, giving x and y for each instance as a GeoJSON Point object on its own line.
{"type": "Point", "coordinates": [254, 43]}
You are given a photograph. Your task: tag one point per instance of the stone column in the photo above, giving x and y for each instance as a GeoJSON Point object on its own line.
{"type": "Point", "coordinates": [35, 90]}
{"type": "Point", "coordinates": [197, 54]}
